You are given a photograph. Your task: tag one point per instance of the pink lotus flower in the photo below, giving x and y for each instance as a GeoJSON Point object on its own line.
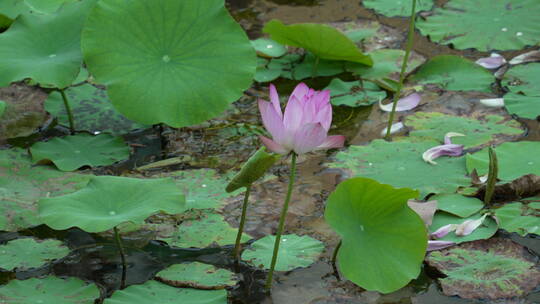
{"type": "Point", "coordinates": [304, 125]}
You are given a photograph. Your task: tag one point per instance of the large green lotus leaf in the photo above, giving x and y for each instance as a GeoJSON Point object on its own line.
{"type": "Point", "coordinates": [199, 274]}
{"type": "Point", "coordinates": [294, 251]}
{"type": "Point", "coordinates": [400, 164]}
{"type": "Point", "coordinates": [383, 240]}
{"type": "Point", "coordinates": [177, 62]}
{"type": "Point", "coordinates": [322, 40]}
{"type": "Point", "coordinates": [392, 8]}
{"type": "Point", "coordinates": [72, 152]}
{"type": "Point", "coordinates": [108, 201]}
{"type": "Point", "coordinates": [515, 160]}
{"type": "Point", "coordinates": [22, 184]}
{"type": "Point", "coordinates": [9, 10]}
{"type": "Point", "coordinates": [455, 73]}
{"type": "Point", "coordinates": [435, 125]}
{"type": "Point", "coordinates": [484, 24]}
{"type": "Point", "coordinates": [209, 228]}
{"type": "Point", "coordinates": [268, 47]}
{"type": "Point", "coordinates": [523, 79]}
{"type": "Point", "coordinates": [458, 204]}
{"type": "Point", "coordinates": [253, 169]}
{"type": "Point", "coordinates": [155, 292]}
{"type": "Point", "coordinates": [485, 231]}
{"type": "Point", "coordinates": [522, 105]}
{"type": "Point", "coordinates": [92, 111]}
{"type": "Point", "coordinates": [52, 60]}
{"type": "Point", "coordinates": [49, 290]}
{"type": "Point", "coordinates": [515, 217]}
{"type": "Point", "coordinates": [385, 62]}
{"type": "Point", "coordinates": [23, 254]}
{"type": "Point", "coordinates": [354, 93]}
{"type": "Point", "coordinates": [46, 6]}
{"type": "Point", "coordinates": [490, 269]}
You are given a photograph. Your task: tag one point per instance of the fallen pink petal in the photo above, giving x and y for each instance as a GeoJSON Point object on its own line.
{"type": "Point", "coordinates": [404, 104]}
{"type": "Point", "coordinates": [443, 231]}
{"type": "Point", "coordinates": [527, 57]}
{"type": "Point", "coordinates": [438, 245]}
{"type": "Point", "coordinates": [469, 226]}
{"type": "Point", "coordinates": [448, 149]}
{"type": "Point", "coordinates": [492, 62]}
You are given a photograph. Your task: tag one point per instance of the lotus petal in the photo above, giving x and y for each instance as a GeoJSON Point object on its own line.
{"type": "Point", "coordinates": [443, 231]}
{"type": "Point", "coordinates": [493, 102]}
{"type": "Point", "coordinates": [398, 126]}
{"type": "Point", "coordinates": [448, 150]}
{"type": "Point", "coordinates": [492, 62]}
{"type": "Point", "coordinates": [438, 245]}
{"type": "Point", "coordinates": [468, 226]}
{"type": "Point", "coordinates": [527, 57]}
{"type": "Point", "coordinates": [404, 104]}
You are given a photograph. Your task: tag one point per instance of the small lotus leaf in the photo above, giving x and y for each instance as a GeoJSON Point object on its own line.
{"type": "Point", "coordinates": [254, 168]}
{"type": "Point", "coordinates": [515, 160]}
{"type": "Point", "coordinates": [392, 8]}
{"type": "Point", "coordinates": [484, 24]}
{"type": "Point", "coordinates": [72, 152]}
{"type": "Point", "coordinates": [268, 47]}
{"type": "Point", "coordinates": [490, 269]}
{"type": "Point", "coordinates": [177, 62]}
{"type": "Point", "coordinates": [108, 201]}
{"type": "Point", "coordinates": [522, 105]}
{"type": "Point", "coordinates": [385, 63]}
{"type": "Point", "coordinates": [485, 231]}
{"type": "Point", "coordinates": [199, 274]}
{"type": "Point", "coordinates": [294, 251]}
{"type": "Point", "coordinates": [52, 60]}
{"type": "Point", "coordinates": [354, 93]}
{"type": "Point", "coordinates": [383, 240]}
{"type": "Point", "coordinates": [400, 164]}
{"type": "Point", "coordinates": [309, 67]}
{"type": "Point", "coordinates": [49, 290]}
{"type": "Point", "coordinates": [515, 217]}
{"type": "Point", "coordinates": [266, 72]}
{"type": "Point", "coordinates": [523, 79]}
{"type": "Point", "coordinates": [26, 253]}
{"type": "Point", "coordinates": [454, 73]}
{"type": "Point", "coordinates": [155, 292]}
{"type": "Point", "coordinates": [458, 204]}
{"type": "Point", "coordinates": [286, 65]}
{"type": "Point", "coordinates": [322, 40]}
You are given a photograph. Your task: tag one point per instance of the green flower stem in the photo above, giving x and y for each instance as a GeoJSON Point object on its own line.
{"type": "Point", "coordinates": [334, 260]}
{"type": "Point", "coordinates": [292, 176]}
{"type": "Point", "coordinates": [237, 246]}
{"type": "Point", "coordinates": [122, 257]}
{"type": "Point", "coordinates": [315, 67]}
{"type": "Point", "coordinates": [492, 176]}
{"type": "Point", "coordinates": [68, 111]}
{"type": "Point", "coordinates": [408, 48]}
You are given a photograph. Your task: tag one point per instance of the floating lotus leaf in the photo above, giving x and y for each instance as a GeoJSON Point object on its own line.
{"type": "Point", "coordinates": [198, 274]}
{"type": "Point", "coordinates": [286, 65]}
{"type": "Point", "coordinates": [208, 229]}
{"type": "Point", "coordinates": [392, 8]}
{"type": "Point", "coordinates": [52, 60]}
{"type": "Point", "coordinates": [306, 68]}
{"type": "Point", "coordinates": [92, 110]}
{"type": "Point", "coordinates": [515, 160]}
{"type": "Point", "coordinates": [155, 292]}
{"type": "Point", "coordinates": [523, 79]}
{"type": "Point", "coordinates": [177, 62]}
{"type": "Point", "coordinates": [490, 269]}
{"type": "Point", "coordinates": [435, 125]}
{"type": "Point", "coordinates": [72, 152]}
{"type": "Point", "coordinates": [108, 201]}
{"type": "Point", "coordinates": [485, 231]}
{"type": "Point", "coordinates": [458, 204]}
{"type": "Point", "coordinates": [294, 251]}
{"type": "Point", "coordinates": [322, 40]}
{"type": "Point", "coordinates": [26, 253]}
{"type": "Point", "coordinates": [12, 8]}
{"type": "Point", "coordinates": [383, 240]}
{"type": "Point", "coordinates": [515, 217]}
{"type": "Point", "coordinates": [268, 47]}
{"type": "Point", "coordinates": [22, 184]}
{"type": "Point", "coordinates": [484, 24]}
{"type": "Point", "coordinates": [265, 72]}
{"type": "Point", "coordinates": [46, 6]}
{"type": "Point", "coordinates": [354, 93]}
{"type": "Point", "coordinates": [385, 63]}
{"type": "Point", "coordinates": [400, 164]}
{"type": "Point", "coordinates": [454, 73]}
{"type": "Point", "coordinates": [254, 168]}
{"type": "Point", "coordinates": [522, 106]}
{"type": "Point", "coordinates": [49, 290]}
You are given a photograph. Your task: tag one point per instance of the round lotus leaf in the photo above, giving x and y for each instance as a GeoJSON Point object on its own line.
{"type": "Point", "coordinates": [392, 8]}
{"type": "Point", "coordinates": [485, 231]}
{"type": "Point", "coordinates": [385, 63]}
{"type": "Point", "coordinates": [268, 47]}
{"type": "Point", "coordinates": [522, 105]}
{"type": "Point", "coordinates": [197, 274]}
{"type": "Point", "coordinates": [400, 164]}
{"type": "Point", "coordinates": [253, 169]}
{"type": "Point", "coordinates": [490, 269]}
{"type": "Point", "coordinates": [383, 240]}
{"type": "Point", "coordinates": [322, 40]}
{"type": "Point", "coordinates": [354, 93]}
{"type": "Point", "coordinates": [484, 24]}
{"type": "Point", "coordinates": [515, 159]}
{"type": "Point", "coordinates": [515, 217]}
{"type": "Point", "coordinates": [177, 62]}
{"type": "Point", "coordinates": [92, 111]}
{"type": "Point", "coordinates": [46, 6]}
{"type": "Point", "coordinates": [207, 229]}
{"type": "Point", "coordinates": [523, 79]}
{"type": "Point", "coordinates": [108, 201]}
{"type": "Point", "coordinates": [155, 292]}
{"type": "Point", "coordinates": [52, 60]}
{"type": "Point", "coordinates": [72, 152]}
{"type": "Point", "coordinates": [477, 131]}
{"type": "Point", "coordinates": [294, 251]}
{"type": "Point", "coordinates": [325, 67]}
{"type": "Point", "coordinates": [265, 72]}
{"type": "Point", "coordinates": [286, 65]}
{"type": "Point", "coordinates": [22, 184]}
{"type": "Point", "coordinates": [458, 204]}
{"type": "Point", "coordinates": [454, 73]}
{"type": "Point", "coordinates": [26, 253]}
{"type": "Point", "coordinates": [49, 290]}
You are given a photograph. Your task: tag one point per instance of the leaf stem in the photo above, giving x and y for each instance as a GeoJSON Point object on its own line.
{"type": "Point", "coordinates": [492, 176]}
{"type": "Point", "coordinates": [237, 246]}
{"type": "Point", "coordinates": [410, 40]}
{"type": "Point", "coordinates": [122, 257]}
{"type": "Point", "coordinates": [315, 67]}
{"type": "Point", "coordinates": [334, 260]}
{"type": "Point", "coordinates": [68, 111]}
{"type": "Point", "coordinates": [292, 176]}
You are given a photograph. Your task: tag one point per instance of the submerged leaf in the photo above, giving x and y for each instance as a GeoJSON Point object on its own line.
{"type": "Point", "coordinates": [26, 253]}
{"type": "Point", "coordinates": [254, 168]}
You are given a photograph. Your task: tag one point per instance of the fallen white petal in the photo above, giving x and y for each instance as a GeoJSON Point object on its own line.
{"type": "Point", "coordinates": [493, 102]}
{"type": "Point", "coordinates": [468, 226]}
{"type": "Point", "coordinates": [527, 57]}
{"type": "Point", "coordinates": [449, 135]}
{"type": "Point", "coordinates": [438, 245]}
{"type": "Point", "coordinates": [492, 62]}
{"type": "Point", "coordinates": [443, 231]}
{"type": "Point", "coordinates": [398, 126]}
{"type": "Point", "coordinates": [404, 104]}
